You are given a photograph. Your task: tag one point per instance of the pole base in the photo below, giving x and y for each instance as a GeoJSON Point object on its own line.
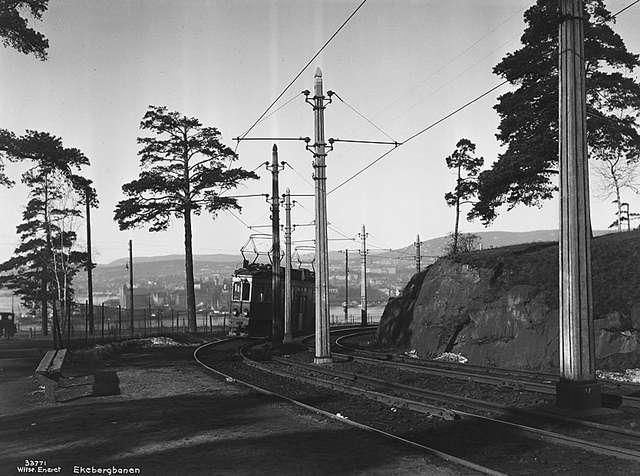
{"type": "Point", "coordinates": [322, 360]}
{"type": "Point", "coordinates": [578, 395]}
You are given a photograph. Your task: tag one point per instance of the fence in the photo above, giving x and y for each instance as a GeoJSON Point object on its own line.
{"type": "Point", "coordinates": [115, 322]}
{"type": "Point", "coordinates": [353, 318]}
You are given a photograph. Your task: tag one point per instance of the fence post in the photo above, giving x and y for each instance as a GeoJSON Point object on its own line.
{"type": "Point", "coordinates": [102, 320]}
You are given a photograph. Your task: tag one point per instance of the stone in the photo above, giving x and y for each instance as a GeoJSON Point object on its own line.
{"type": "Point", "coordinates": [501, 312]}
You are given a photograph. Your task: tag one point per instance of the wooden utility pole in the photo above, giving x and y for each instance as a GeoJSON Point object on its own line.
{"type": "Point", "coordinates": [577, 388]}
{"type": "Point", "coordinates": [288, 334]}
{"type": "Point", "coordinates": [131, 285]}
{"type": "Point", "coordinates": [323, 350]}
{"type": "Point", "coordinates": [417, 245]}
{"type": "Point", "coordinates": [277, 327]}
{"type": "Point", "coordinates": [89, 263]}
{"type": "Point", "coordinates": [363, 278]}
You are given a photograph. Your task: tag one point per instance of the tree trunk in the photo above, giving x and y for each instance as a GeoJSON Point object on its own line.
{"type": "Point", "coordinates": [57, 334]}
{"type": "Point", "coordinates": [43, 305]}
{"type": "Point", "coordinates": [188, 264]}
{"type": "Point", "coordinates": [616, 185]}
{"type": "Point", "coordinates": [619, 210]}
{"type": "Point", "coordinates": [455, 232]}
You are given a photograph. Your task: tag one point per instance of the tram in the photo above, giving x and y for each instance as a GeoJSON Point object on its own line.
{"type": "Point", "coordinates": [251, 307]}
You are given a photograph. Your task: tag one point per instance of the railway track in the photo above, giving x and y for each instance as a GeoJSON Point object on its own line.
{"type": "Point", "coordinates": [456, 409]}
{"type": "Point", "coordinates": [616, 392]}
{"type": "Point", "coordinates": [236, 343]}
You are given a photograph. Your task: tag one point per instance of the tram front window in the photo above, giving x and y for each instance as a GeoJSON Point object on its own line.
{"type": "Point", "coordinates": [236, 291]}
{"type": "Point", "coordinates": [246, 288]}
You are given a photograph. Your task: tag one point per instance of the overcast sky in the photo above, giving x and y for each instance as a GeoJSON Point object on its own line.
{"type": "Point", "coordinates": [404, 64]}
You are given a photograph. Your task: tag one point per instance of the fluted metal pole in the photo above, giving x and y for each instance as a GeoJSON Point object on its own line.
{"type": "Point", "coordinates": [323, 350]}
{"type": "Point", "coordinates": [277, 332]}
{"type": "Point", "coordinates": [577, 388]}
{"type": "Point", "coordinates": [288, 333]}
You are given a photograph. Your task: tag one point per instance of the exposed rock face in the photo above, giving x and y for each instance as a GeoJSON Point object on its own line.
{"type": "Point", "coordinates": [502, 312]}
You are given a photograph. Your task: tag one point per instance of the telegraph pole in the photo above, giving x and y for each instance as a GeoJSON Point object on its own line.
{"type": "Point", "coordinates": [417, 245]}
{"type": "Point", "coordinates": [89, 263]}
{"type": "Point", "coordinates": [288, 334]}
{"type": "Point", "coordinates": [131, 284]}
{"type": "Point", "coordinates": [323, 350]}
{"type": "Point", "coordinates": [577, 388]}
{"type": "Point", "coordinates": [277, 329]}
{"type": "Point", "coordinates": [363, 280]}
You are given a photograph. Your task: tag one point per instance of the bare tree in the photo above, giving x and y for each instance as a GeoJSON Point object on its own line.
{"type": "Point", "coordinates": [463, 243]}
{"type": "Point", "coordinates": [615, 173]}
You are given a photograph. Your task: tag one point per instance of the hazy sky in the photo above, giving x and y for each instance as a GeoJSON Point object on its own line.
{"type": "Point", "coordinates": [402, 63]}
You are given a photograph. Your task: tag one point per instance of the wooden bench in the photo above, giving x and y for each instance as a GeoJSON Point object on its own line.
{"type": "Point", "coordinates": [60, 388]}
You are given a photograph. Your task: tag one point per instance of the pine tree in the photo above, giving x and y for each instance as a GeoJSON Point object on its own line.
{"type": "Point", "coordinates": [14, 30]}
{"type": "Point", "coordinates": [529, 113]}
{"type": "Point", "coordinates": [185, 170]}
{"type": "Point", "coordinates": [44, 263]}
{"type": "Point", "coordinates": [462, 159]}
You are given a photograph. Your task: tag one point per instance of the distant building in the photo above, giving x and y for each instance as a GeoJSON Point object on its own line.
{"type": "Point", "coordinates": [141, 297]}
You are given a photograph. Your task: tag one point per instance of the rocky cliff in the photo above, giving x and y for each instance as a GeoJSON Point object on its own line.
{"type": "Point", "coordinates": [500, 306]}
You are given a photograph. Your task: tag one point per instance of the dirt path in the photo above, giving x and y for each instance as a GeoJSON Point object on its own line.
{"type": "Point", "coordinates": [173, 418]}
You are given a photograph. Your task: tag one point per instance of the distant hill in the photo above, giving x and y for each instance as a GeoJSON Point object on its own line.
{"type": "Point", "coordinates": [168, 270]}
{"type": "Point", "coordinates": [215, 258]}
{"type": "Point", "coordinates": [433, 247]}
{"type": "Point", "coordinates": [493, 239]}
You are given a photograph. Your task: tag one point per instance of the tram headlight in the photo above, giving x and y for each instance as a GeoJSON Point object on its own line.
{"type": "Point", "coordinates": [245, 313]}
{"type": "Point", "coordinates": [236, 313]}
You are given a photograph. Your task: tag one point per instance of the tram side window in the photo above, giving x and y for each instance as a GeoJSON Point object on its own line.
{"type": "Point", "coordinates": [246, 288]}
{"type": "Point", "coordinates": [236, 291]}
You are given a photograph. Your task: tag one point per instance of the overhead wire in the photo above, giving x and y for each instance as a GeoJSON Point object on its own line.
{"type": "Point", "coordinates": [295, 78]}
{"type": "Point", "coordinates": [430, 126]}
{"type": "Point", "coordinates": [457, 56]}
{"type": "Point", "coordinates": [413, 136]}
{"type": "Point", "coordinates": [624, 9]}
{"type": "Point", "coordinates": [298, 173]}
{"type": "Point", "coordinates": [364, 117]}
{"type": "Point", "coordinates": [282, 106]}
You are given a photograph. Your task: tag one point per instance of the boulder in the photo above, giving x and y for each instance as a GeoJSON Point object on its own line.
{"type": "Point", "coordinates": [500, 307]}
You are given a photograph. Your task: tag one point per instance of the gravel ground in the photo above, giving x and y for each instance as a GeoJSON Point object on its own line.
{"type": "Point", "coordinates": [624, 417]}
{"type": "Point", "coordinates": [172, 417]}
{"type": "Point", "coordinates": [477, 442]}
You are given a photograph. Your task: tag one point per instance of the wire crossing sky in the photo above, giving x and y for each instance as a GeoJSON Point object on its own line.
{"type": "Point", "coordinates": [400, 65]}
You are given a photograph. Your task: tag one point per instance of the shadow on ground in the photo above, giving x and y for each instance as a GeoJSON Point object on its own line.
{"type": "Point", "coordinates": [187, 434]}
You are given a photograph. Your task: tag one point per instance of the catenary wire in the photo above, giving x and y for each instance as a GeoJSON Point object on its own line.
{"type": "Point", "coordinates": [385, 154]}
{"type": "Point", "coordinates": [295, 78]}
{"type": "Point", "coordinates": [420, 132]}
{"type": "Point", "coordinates": [363, 117]}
